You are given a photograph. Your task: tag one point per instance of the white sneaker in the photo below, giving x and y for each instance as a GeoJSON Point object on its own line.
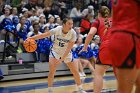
{"type": "Point", "coordinates": [81, 91]}
{"type": "Point", "coordinates": [82, 74]}
{"type": "Point", "coordinates": [50, 91]}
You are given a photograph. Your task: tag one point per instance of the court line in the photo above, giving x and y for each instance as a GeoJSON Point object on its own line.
{"type": "Point", "coordinates": [12, 89]}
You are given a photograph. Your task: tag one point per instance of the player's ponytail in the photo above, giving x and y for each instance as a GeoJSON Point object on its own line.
{"type": "Point", "coordinates": [104, 11]}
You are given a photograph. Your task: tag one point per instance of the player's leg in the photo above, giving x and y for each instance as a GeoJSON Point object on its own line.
{"type": "Point", "coordinates": [74, 71]}
{"type": "Point", "coordinates": [98, 77]}
{"type": "Point", "coordinates": [126, 79]}
{"type": "Point", "coordinates": [138, 83]}
{"type": "Point", "coordinates": [123, 58]}
{"type": "Point", "coordinates": [76, 62]}
{"type": "Point", "coordinates": [52, 69]}
{"type": "Point", "coordinates": [76, 75]}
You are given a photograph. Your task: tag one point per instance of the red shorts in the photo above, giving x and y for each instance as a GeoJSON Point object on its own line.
{"type": "Point", "coordinates": [125, 49]}
{"type": "Point", "coordinates": [104, 57]}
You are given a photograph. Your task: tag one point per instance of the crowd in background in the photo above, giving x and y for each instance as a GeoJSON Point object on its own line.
{"type": "Point", "coordinates": [26, 18]}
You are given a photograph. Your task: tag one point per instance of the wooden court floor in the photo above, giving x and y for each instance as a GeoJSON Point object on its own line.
{"type": "Point", "coordinates": [62, 84]}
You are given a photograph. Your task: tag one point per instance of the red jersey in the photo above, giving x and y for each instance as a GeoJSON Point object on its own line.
{"type": "Point", "coordinates": [125, 16]}
{"type": "Point", "coordinates": [101, 28]}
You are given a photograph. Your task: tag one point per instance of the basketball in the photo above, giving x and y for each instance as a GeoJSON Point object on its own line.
{"type": "Point", "coordinates": [30, 45]}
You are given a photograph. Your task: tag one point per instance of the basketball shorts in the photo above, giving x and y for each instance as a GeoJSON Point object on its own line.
{"type": "Point", "coordinates": [125, 49]}
{"type": "Point", "coordinates": [104, 57]}
{"type": "Point", "coordinates": [69, 58]}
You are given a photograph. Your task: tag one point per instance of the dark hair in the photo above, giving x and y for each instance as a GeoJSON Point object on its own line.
{"type": "Point", "coordinates": [34, 24]}
{"type": "Point", "coordinates": [104, 11]}
{"type": "Point", "coordinates": [66, 19]}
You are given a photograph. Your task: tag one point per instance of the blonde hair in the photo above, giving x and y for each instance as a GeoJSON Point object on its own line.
{"type": "Point", "coordinates": [104, 11]}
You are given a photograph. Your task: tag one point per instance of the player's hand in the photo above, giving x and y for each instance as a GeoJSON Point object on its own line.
{"type": "Point", "coordinates": [84, 49]}
{"type": "Point", "coordinates": [29, 38]}
{"type": "Point", "coordinates": [60, 60]}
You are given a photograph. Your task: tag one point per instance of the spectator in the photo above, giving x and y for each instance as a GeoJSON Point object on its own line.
{"type": "Point", "coordinates": [42, 22]}
{"type": "Point", "coordinates": [64, 12]}
{"type": "Point", "coordinates": [16, 3]}
{"type": "Point", "coordinates": [40, 4]}
{"type": "Point", "coordinates": [95, 46]}
{"type": "Point", "coordinates": [47, 11]}
{"type": "Point", "coordinates": [14, 16]}
{"type": "Point", "coordinates": [31, 4]}
{"type": "Point", "coordinates": [21, 6]}
{"type": "Point", "coordinates": [58, 21]}
{"type": "Point", "coordinates": [95, 4]}
{"type": "Point", "coordinates": [104, 3]}
{"type": "Point", "coordinates": [50, 23]}
{"type": "Point", "coordinates": [6, 20]}
{"type": "Point", "coordinates": [86, 24]}
{"type": "Point", "coordinates": [88, 10]}
{"type": "Point", "coordinates": [82, 58]}
{"type": "Point", "coordinates": [22, 29]}
{"type": "Point", "coordinates": [76, 14]}
{"type": "Point", "coordinates": [1, 6]}
{"type": "Point", "coordinates": [48, 3]}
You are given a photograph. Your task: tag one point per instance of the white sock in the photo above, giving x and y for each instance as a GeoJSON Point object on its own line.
{"type": "Point", "coordinates": [79, 87]}
{"type": "Point", "coordinates": [50, 88]}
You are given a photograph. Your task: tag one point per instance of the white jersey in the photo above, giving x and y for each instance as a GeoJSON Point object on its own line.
{"type": "Point", "coordinates": [61, 41]}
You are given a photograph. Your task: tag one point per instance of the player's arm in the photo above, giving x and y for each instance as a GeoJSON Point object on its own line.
{"type": "Point", "coordinates": [40, 36]}
{"type": "Point", "coordinates": [68, 49]}
{"type": "Point", "coordinates": [89, 37]}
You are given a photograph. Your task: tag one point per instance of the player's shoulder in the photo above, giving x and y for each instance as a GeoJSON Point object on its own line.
{"type": "Point", "coordinates": [58, 28]}
{"type": "Point", "coordinates": [73, 31]}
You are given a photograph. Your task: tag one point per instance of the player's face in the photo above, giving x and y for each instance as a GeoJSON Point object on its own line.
{"type": "Point", "coordinates": [69, 24]}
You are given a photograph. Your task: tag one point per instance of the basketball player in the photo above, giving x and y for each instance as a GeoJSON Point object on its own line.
{"type": "Point", "coordinates": [64, 39]}
{"type": "Point", "coordinates": [125, 44]}
{"type": "Point", "coordinates": [101, 26]}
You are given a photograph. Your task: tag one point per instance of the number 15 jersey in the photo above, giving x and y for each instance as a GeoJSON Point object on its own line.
{"type": "Point", "coordinates": [61, 40]}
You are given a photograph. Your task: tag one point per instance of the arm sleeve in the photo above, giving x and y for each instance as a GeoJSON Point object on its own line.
{"type": "Point", "coordinates": [95, 24]}
{"type": "Point", "coordinates": [53, 31]}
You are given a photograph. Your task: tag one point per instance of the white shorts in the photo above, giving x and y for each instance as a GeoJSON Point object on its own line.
{"type": "Point", "coordinates": [69, 58]}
